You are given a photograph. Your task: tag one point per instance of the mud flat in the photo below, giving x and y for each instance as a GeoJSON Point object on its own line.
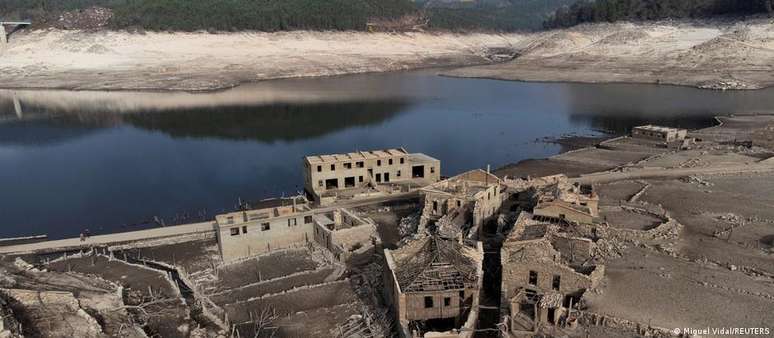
{"type": "Point", "coordinates": [720, 254]}
{"type": "Point", "coordinates": [109, 60]}
{"type": "Point", "coordinates": [715, 55]}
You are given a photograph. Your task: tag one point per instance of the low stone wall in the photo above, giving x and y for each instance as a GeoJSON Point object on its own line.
{"type": "Point", "coordinates": [209, 309]}
{"type": "Point", "coordinates": [595, 319]}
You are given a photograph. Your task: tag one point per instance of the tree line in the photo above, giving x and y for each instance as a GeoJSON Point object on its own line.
{"type": "Point", "coordinates": [220, 15]}
{"type": "Point", "coordinates": [617, 10]}
{"type": "Point", "coordinates": [280, 15]}
{"type": "Point", "coordinates": [504, 15]}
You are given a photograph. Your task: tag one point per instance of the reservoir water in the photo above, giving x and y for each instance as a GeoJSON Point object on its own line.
{"type": "Point", "coordinates": [111, 161]}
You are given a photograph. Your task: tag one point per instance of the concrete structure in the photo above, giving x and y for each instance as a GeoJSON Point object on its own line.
{"type": "Point", "coordinates": [13, 26]}
{"type": "Point", "coordinates": [657, 133]}
{"type": "Point", "coordinates": [545, 272]}
{"type": "Point", "coordinates": [346, 235]}
{"type": "Point", "coordinates": [109, 239]}
{"type": "Point", "coordinates": [563, 201]}
{"type": "Point", "coordinates": [285, 223]}
{"type": "Point", "coordinates": [461, 204]}
{"type": "Point", "coordinates": [367, 173]}
{"type": "Point", "coordinates": [432, 285]}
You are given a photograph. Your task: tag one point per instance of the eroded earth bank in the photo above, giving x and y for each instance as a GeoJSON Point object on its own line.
{"type": "Point", "coordinates": [710, 54]}
{"type": "Point", "coordinates": [707, 54]}
{"type": "Point", "coordinates": [108, 60]}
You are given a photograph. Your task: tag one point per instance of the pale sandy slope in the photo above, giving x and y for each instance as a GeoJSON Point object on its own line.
{"type": "Point", "coordinates": [192, 61]}
{"type": "Point", "coordinates": [738, 55]}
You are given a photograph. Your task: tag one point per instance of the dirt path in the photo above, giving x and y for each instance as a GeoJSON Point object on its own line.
{"type": "Point", "coordinates": [606, 177]}
{"type": "Point", "coordinates": [170, 231]}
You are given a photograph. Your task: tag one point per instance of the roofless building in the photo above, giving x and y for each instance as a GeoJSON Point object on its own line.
{"type": "Point", "coordinates": [365, 173]}
{"type": "Point", "coordinates": [432, 285]}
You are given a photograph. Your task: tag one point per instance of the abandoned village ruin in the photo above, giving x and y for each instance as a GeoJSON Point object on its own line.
{"type": "Point", "coordinates": [380, 244]}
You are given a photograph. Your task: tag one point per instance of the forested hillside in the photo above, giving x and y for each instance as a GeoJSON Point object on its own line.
{"type": "Point", "coordinates": [278, 15]}
{"type": "Point", "coordinates": [190, 15]}
{"type": "Point", "coordinates": [617, 10]}
{"type": "Point", "coordinates": [500, 15]}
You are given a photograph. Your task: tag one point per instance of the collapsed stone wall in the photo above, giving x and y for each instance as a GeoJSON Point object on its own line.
{"type": "Point", "coordinates": [594, 319]}
{"type": "Point", "coordinates": [573, 248]}
{"type": "Point", "coordinates": [57, 313]}
{"type": "Point", "coordinates": [610, 240]}
{"type": "Point", "coordinates": [9, 326]}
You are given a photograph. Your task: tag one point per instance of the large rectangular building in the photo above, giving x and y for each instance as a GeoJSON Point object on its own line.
{"type": "Point", "coordinates": [658, 133]}
{"type": "Point", "coordinates": [286, 223]}
{"type": "Point", "coordinates": [329, 176]}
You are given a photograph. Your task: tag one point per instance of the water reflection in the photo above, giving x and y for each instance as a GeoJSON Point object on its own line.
{"type": "Point", "coordinates": [110, 160]}
{"type": "Point", "coordinates": [616, 108]}
{"type": "Point", "coordinates": [286, 122]}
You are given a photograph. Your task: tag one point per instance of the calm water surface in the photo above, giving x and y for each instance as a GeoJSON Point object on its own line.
{"type": "Point", "coordinates": [110, 161]}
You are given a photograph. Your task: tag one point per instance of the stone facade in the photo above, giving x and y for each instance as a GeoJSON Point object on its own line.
{"type": "Point", "coordinates": [345, 234]}
{"type": "Point", "coordinates": [253, 232]}
{"type": "Point", "coordinates": [564, 211]}
{"type": "Point", "coordinates": [357, 173]}
{"type": "Point", "coordinates": [563, 201]}
{"type": "Point", "coordinates": [434, 279]}
{"type": "Point", "coordinates": [461, 204]}
{"type": "Point", "coordinates": [545, 270]}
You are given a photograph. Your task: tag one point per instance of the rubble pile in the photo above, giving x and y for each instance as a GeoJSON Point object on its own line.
{"type": "Point", "coordinates": [734, 221]}
{"type": "Point", "coordinates": [697, 180]}
{"type": "Point", "coordinates": [729, 84]}
{"type": "Point", "coordinates": [408, 225]}
{"type": "Point", "coordinates": [53, 304]}
{"type": "Point", "coordinates": [9, 326]}
{"type": "Point", "coordinates": [368, 324]}
{"type": "Point", "coordinates": [594, 319]}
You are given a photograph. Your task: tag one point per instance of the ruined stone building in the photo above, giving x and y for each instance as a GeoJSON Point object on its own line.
{"type": "Point", "coordinates": [545, 271]}
{"type": "Point", "coordinates": [367, 173]}
{"type": "Point", "coordinates": [284, 223]}
{"type": "Point", "coordinates": [461, 204]}
{"type": "Point", "coordinates": [658, 133]}
{"type": "Point", "coordinates": [567, 202]}
{"type": "Point", "coordinates": [346, 235]}
{"type": "Point", "coordinates": [432, 285]}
